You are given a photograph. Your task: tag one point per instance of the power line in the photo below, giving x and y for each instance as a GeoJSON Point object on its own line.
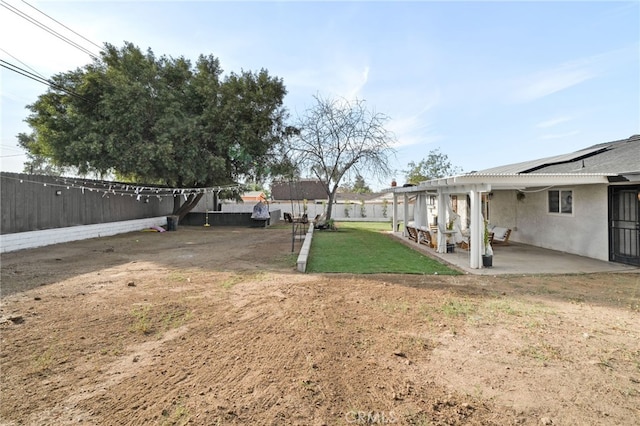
{"type": "Point", "coordinates": [63, 25]}
{"type": "Point", "coordinates": [22, 71]}
{"type": "Point", "coordinates": [23, 63]}
{"type": "Point", "coordinates": [42, 26]}
{"type": "Point", "coordinates": [3, 147]}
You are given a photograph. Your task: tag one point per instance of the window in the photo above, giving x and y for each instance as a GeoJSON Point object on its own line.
{"type": "Point", "coordinates": [561, 201]}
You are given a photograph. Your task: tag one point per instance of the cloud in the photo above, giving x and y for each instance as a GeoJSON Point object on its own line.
{"type": "Point", "coordinates": [553, 122]}
{"type": "Point", "coordinates": [342, 81]}
{"type": "Point", "coordinates": [416, 128]}
{"type": "Point", "coordinates": [356, 82]}
{"type": "Point", "coordinates": [564, 76]}
{"type": "Point", "coordinates": [548, 82]}
{"type": "Point", "coordinates": [559, 135]}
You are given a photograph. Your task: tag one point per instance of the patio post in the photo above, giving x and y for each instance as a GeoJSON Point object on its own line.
{"type": "Point", "coordinates": [442, 221]}
{"type": "Point", "coordinates": [406, 212]}
{"type": "Point", "coordinates": [476, 228]}
{"type": "Point", "coordinates": [418, 209]}
{"type": "Point", "coordinates": [394, 213]}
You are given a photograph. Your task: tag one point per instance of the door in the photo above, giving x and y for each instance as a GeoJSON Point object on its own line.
{"type": "Point", "coordinates": [624, 235]}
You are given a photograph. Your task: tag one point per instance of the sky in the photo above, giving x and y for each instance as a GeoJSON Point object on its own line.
{"type": "Point", "coordinates": [486, 83]}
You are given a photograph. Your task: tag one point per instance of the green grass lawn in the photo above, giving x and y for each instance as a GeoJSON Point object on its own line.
{"type": "Point", "coordinates": [361, 248]}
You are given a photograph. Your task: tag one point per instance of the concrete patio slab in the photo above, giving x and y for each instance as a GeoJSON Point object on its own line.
{"type": "Point", "coordinates": [519, 258]}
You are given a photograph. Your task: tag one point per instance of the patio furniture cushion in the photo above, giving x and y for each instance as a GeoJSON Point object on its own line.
{"type": "Point", "coordinates": [499, 232]}
{"type": "Point", "coordinates": [500, 235]}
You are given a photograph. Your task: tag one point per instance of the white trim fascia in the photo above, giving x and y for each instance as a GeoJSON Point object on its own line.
{"type": "Point", "coordinates": [464, 183]}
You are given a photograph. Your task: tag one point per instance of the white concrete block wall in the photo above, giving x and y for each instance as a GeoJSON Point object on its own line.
{"type": "Point", "coordinates": [303, 256]}
{"type": "Point", "coordinates": [32, 239]}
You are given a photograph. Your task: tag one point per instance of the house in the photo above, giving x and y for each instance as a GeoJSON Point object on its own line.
{"type": "Point", "coordinates": [253, 196]}
{"type": "Point", "coordinates": [585, 203]}
{"type": "Point", "coordinates": [298, 190]}
{"type": "Point", "coordinates": [309, 195]}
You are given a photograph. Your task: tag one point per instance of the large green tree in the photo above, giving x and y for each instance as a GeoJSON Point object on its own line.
{"type": "Point", "coordinates": [161, 120]}
{"type": "Point", "coordinates": [434, 166]}
{"type": "Point", "coordinates": [337, 135]}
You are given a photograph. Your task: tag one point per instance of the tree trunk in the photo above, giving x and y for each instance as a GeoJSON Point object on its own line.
{"type": "Point", "coordinates": [332, 197]}
{"type": "Point", "coordinates": [182, 210]}
{"type": "Point", "coordinates": [329, 207]}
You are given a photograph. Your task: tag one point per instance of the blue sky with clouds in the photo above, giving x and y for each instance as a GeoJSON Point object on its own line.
{"type": "Point", "coordinates": [488, 83]}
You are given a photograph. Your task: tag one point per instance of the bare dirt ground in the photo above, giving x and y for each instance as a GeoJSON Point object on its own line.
{"type": "Point", "coordinates": [212, 326]}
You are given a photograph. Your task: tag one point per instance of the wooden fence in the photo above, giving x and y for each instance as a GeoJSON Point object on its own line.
{"type": "Point", "coordinates": [36, 202]}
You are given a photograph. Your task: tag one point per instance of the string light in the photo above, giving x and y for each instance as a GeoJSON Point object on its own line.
{"type": "Point", "coordinates": [139, 191]}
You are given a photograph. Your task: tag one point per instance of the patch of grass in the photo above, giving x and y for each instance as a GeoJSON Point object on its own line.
{"type": "Point", "coordinates": [177, 276]}
{"type": "Point", "coordinates": [502, 306]}
{"type": "Point", "coordinates": [113, 351]}
{"type": "Point", "coordinates": [512, 307]}
{"type": "Point", "coordinates": [175, 319]}
{"type": "Point", "coordinates": [458, 308]}
{"type": "Point", "coordinates": [543, 352]}
{"type": "Point", "coordinates": [147, 321]}
{"type": "Point", "coordinates": [231, 281]}
{"type": "Point", "coordinates": [43, 361]}
{"type": "Point", "coordinates": [142, 320]}
{"type": "Point", "coordinates": [361, 248]}
{"type": "Point", "coordinates": [178, 416]}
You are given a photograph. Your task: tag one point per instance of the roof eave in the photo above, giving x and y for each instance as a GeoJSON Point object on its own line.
{"type": "Point", "coordinates": [508, 181]}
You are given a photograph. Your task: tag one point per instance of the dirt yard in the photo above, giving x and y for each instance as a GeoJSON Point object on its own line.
{"type": "Point", "coordinates": [213, 326]}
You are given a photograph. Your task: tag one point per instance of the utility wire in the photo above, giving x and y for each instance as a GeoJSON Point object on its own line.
{"type": "Point", "coordinates": [22, 71]}
{"type": "Point", "coordinates": [23, 63]}
{"type": "Point", "coordinates": [3, 147]}
{"type": "Point", "coordinates": [40, 25]}
{"type": "Point", "coordinates": [63, 25]}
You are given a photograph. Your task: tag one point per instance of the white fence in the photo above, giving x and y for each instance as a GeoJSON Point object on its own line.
{"type": "Point", "coordinates": [368, 212]}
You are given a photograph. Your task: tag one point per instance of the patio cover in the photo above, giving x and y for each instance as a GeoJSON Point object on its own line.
{"type": "Point", "coordinates": [474, 185]}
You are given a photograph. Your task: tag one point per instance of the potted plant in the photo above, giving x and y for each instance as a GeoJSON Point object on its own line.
{"type": "Point", "coordinates": [487, 254]}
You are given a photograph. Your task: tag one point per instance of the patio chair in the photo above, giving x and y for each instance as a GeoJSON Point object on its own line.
{"type": "Point", "coordinates": [412, 232]}
{"type": "Point", "coordinates": [500, 236]}
{"type": "Point", "coordinates": [424, 237]}
{"type": "Point", "coordinates": [466, 243]}
{"type": "Point", "coordinates": [302, 219]}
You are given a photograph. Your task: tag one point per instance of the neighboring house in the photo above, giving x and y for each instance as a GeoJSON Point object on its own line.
{"type": "Point", "coordinates": [253, 196]}
{"type": "Point", "coordinates": [585, 203]}
{"type": "Point", "coordinates": [309, 195]}
{"type": "Point", "coordinates": [298, 190]}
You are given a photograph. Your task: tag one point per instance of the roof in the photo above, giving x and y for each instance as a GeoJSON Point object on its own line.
{"type": "Point", "coordinates": [253, 195]}
{"type": "Point", "coordinates": [598, 164]}
{"type": "Point", "coordinates": [304, 189]}
{"type": "Point", "coordinates": [611, 158]}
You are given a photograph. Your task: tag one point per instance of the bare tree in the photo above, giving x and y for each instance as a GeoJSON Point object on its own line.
{"type": "Point", "coordinates": [337, 135]}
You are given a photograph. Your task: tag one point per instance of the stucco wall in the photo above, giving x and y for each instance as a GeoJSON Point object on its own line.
{"type": "Point", "coordinates": [584, 232]}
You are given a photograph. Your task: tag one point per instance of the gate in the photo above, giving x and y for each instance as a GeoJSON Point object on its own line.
{"type": "Point", "coordinates": [624, 234]}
